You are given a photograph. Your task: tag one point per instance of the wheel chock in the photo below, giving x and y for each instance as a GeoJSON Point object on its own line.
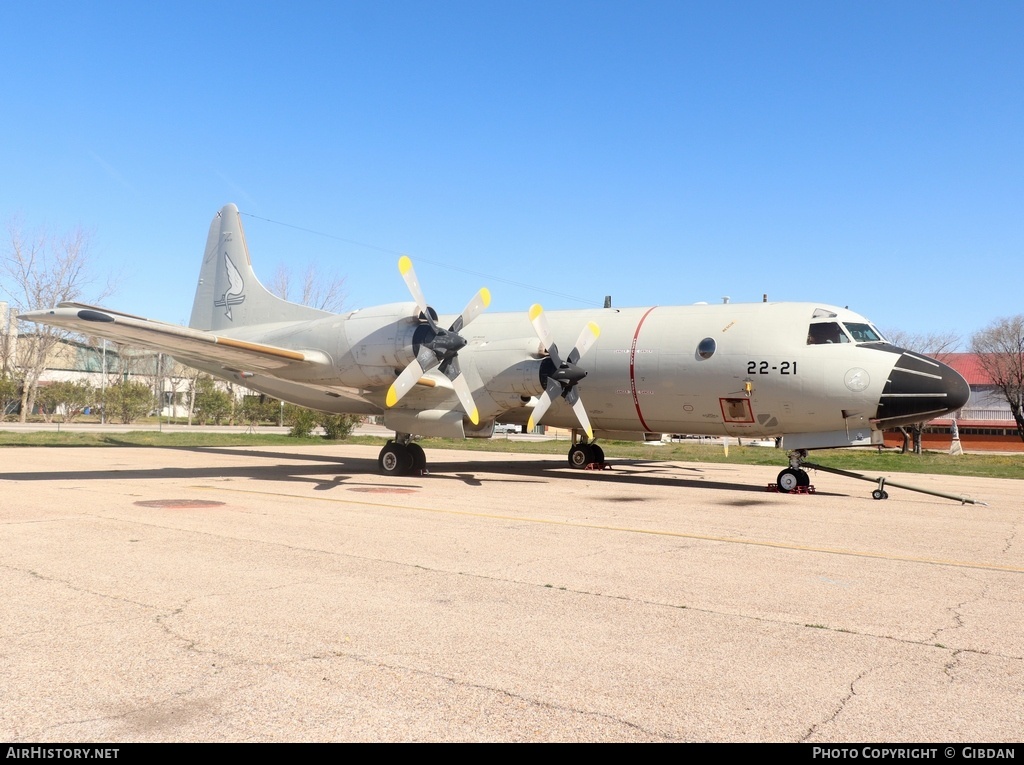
{"type": "Point", "coordinates": [774, 487]}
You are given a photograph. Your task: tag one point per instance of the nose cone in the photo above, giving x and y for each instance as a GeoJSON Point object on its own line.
{"type": "Point", "coordinates": [920, 389]}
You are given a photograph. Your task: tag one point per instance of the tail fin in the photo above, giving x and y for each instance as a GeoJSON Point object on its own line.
{"type": "Point", "coordinates": [229, 295]}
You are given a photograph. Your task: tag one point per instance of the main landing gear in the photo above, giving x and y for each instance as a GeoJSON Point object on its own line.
{"type": "Point", "coordinates": [584, 455]}
{"type": "Point", "coordinates": [794, 478]}
{"type": "Point", "coordinates": [402, 457]}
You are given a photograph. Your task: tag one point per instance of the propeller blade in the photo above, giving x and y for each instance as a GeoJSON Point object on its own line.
{"type": "Point", "coordinates": [586, 340]}
{"type": "Point", "coordinates": [581, 415]}
{"type": "Point", "coordinates": [409, 275]}
{"type": "Point", "coordinates": [466, 397]}
{"type": "Point", "coordinates": [541, 326]}
{"type": "Point", "coordinates": [474, 308]}
{"type": "Point", "coordinates": [404, 383]}
{"type": "Point", "coordinates": [424, 361]}
{"type": "Point", "coordinates": [547, 398]}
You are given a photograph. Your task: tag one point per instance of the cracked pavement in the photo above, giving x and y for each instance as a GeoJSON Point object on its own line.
{"type": "Point", "coordinates": [500, 598]}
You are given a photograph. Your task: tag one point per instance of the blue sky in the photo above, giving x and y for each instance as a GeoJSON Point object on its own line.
{"type": "Point", "coordinates": [853, 153]}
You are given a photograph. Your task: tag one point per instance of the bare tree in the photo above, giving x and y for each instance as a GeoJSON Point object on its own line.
{"type": "Point", "coordinates": [40, 270]}
{"type": "Point", "coordinates": [938, 345]}
{"type": "Point", "coordinates": [1000, 351]}
{"type": "Point", "coordinates": [325, 291]}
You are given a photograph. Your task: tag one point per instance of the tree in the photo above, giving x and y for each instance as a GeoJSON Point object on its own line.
{"type": "Point", "coordinates": [40, 270]}
{"type": "Point", "coordinates": [319, 290]}
{"type": "Point", "coordinates": [935, 344]}
{"type": "Point", "coordinates": [1000, 351]}
{"type": "Point", "coordinates": [191, 376]}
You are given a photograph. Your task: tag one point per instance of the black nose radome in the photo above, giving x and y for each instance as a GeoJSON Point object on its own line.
{"type": "Point", "coordinates": [920, 389]}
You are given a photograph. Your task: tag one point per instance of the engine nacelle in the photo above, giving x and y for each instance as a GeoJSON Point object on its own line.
{"type": "Point", "coordinates": [379, 341]}
{"type": "Point", "coordinates": [510, 385]}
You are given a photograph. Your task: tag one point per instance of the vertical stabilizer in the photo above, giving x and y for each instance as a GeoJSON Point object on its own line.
{"type": "Point", "coordinates": [228, 294]}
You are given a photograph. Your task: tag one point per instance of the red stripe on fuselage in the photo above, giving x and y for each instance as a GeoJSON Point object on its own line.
{"type": "Point", "coordinates": [632, 368]}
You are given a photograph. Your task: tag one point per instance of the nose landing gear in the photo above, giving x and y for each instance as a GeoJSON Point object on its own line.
{"type": "Point", "coordinates": [794, 478]}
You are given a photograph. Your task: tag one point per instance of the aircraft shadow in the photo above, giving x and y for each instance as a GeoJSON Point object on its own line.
{"type": "Point", "coordinates": [329, 472]}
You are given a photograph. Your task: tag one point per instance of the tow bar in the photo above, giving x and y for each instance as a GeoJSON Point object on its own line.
{"type": "Point", "coordinates": [881, 493]}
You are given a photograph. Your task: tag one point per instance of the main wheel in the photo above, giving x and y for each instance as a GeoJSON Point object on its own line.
{"type": "Point", "coordinates": [419, 458]}
{"type": "Point", "coordinates": [802, 478]}
{"type": "Point", "coordinates": [879, 494]}
{"type": "Point", "coordinates": [394, 459]}
{"type": "Point", "coordinates": [580, 456]}
{"type": "Point", "coordinates": [597, 453]}
{"type": "Point", "coordinates": [789, 480]}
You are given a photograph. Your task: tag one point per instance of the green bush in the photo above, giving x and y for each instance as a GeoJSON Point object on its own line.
{"type": "Point", "coordinates": [68, 398]}
{"type": "Point", "coordinates": [337, 426]}
{"type": "Point", "coordinates": [303, 420]}
{"type": "Point", "coordinates": [257, 409]}
{"type": "Point", "coordinates": [128, 401]}
{"type": "Point", "coordinates": [10, 394]}
{"type": "Point", "coordinates": [300, 419]}
{"type": "Point", "coordinates": [212, 405]}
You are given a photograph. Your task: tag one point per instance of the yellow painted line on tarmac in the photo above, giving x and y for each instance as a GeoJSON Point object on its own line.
{"type": "Point", "coordinates": [630, 530]}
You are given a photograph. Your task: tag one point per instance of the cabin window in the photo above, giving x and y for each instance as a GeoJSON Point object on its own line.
{"type": "Point", "coordinates": [826, 332]}
{"type": "Point", "coordinates": [863, 333]}
{"type": "Point", "coordinates": [706, 348]}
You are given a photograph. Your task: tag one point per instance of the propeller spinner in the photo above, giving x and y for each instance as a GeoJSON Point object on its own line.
{"type": "Point", "coordinates": [562, 376]}
{"type": "Point", "coordinates": [437, 347]}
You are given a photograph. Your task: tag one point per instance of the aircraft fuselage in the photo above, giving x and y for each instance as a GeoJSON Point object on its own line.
{"type": "Point", "coordinates": [747, 370]}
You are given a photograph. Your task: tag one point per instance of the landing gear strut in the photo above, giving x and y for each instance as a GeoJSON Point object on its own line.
{"type": "Point", "coordinates": [402, 456]}
{"type": "Point", "coordinates": [794, 477]}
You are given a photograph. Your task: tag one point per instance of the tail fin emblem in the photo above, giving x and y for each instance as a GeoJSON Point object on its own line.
{"type": "Point", "coordinates": [234, 294]}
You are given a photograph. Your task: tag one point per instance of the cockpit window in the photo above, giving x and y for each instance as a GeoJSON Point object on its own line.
{"type": "Point", "coordinates": [863, 333]}
{"type": "Point", "coordinates": [826, 332]}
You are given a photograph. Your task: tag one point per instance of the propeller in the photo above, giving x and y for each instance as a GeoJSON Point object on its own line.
{"type": "Point", "coordinates": [437, 347]}
{"type": "Point", "coordinates": [562, 376]}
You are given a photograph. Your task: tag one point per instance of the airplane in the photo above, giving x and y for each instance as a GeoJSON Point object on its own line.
{"type": "Point", "coordinates": [809, 375]}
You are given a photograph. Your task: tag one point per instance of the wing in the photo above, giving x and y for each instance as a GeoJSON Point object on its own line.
{"type": "Point", "coordinates": [174, 340]}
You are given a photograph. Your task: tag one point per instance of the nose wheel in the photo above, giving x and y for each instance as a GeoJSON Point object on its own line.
{"type": "Point", "coordinates": [793, 479]}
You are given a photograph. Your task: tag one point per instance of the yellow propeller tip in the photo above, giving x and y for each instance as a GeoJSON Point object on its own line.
{"type": "Point", "coordinates": [474, 417]}
{"type": "Point", "coordinates": [404, 264]}
{"type": "Point", "coordinates": [485, 296]}
{"type": "Point", "coordinates": [392, 397]}
{"type": "Point", "coordinates": [529, 425]}
{"type": "Point", "coordinates": [535, 311]}
{"type": "Point", "coordinates": [596, 330]}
